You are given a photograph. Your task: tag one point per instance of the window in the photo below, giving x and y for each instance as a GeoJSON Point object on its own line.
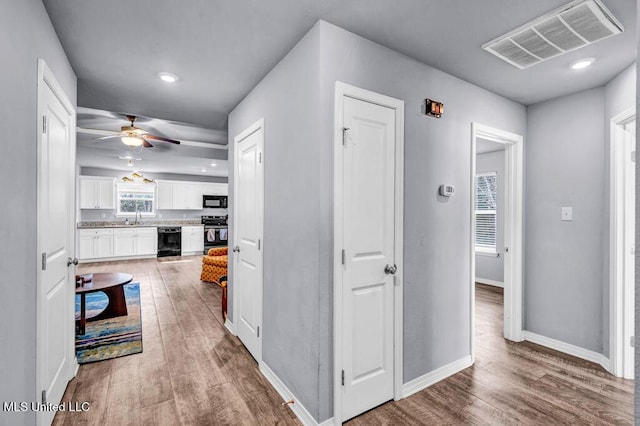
{"type": "Point", "coordinates": [134, 198]}
{"type": "Point", "coordinates": [486, 212]}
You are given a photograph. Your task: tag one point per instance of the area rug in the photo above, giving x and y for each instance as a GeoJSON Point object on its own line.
{"type": "Point", "coordinates": [113, 337]}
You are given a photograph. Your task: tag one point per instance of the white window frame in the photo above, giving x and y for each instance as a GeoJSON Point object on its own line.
{"type": "Point", "coordinates": [147, 188]}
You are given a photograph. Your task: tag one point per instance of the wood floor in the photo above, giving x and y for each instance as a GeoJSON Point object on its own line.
{"type": "Point", "coordinates": [193, 372]}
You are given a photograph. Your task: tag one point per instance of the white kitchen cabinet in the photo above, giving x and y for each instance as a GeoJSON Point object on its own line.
{"type": "Point", "coordinates": [97, 192]}
{"type": "Point", "coordinates": [147, 241]}
{"type": "Point", "coordinates": [192, 239]}
{"type": "Point", "coordinates": [182, 195]}
{"type": "Point", "coordinates": [135, 241]}
{"type": "Point", "coordinates": [165, 195]}
{"type": "Point", "coordinates": [194, 196]}
{"type": "Point", "coordinates": [210, 188]}
{"type": "Point", "coordinates": [95, 243]}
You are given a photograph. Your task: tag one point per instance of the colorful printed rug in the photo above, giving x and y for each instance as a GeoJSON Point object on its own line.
{"type": "Point", "coordinates": [113, 337]}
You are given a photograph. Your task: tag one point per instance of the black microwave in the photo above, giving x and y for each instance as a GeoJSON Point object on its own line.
{"type": "Point", "coordinates": [214, 201]}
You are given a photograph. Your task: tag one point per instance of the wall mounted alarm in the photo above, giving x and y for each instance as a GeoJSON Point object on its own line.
{"type": "Point", "coordinates": [447, 190]}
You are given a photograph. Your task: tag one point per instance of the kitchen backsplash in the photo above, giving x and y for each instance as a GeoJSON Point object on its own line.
{"type": "Point", "coordinates": [110, 215]}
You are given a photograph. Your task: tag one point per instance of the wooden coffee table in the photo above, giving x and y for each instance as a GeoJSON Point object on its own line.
{"type": "Point", "coordinates": [112, 285]}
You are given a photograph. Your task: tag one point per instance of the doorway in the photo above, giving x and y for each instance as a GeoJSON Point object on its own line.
{"type": "Point", "coordinates": [368, 212]}
{"type": "Point", "coordinates": [622, 243]}
{"type": "Point", "coordinates": [55, 324]}
{"type": "Point", "coordinates": [507, 244]}
{"type": "Point", "coordinates": [248, 213]}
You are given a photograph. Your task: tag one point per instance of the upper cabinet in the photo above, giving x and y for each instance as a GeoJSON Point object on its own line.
{"type": "Point", "coordinates": [181, 195]}
{"type": "Point", "coordinates": [97, 192]}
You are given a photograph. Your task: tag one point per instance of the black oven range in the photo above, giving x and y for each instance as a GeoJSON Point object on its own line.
{"type": "Point", "coordinates": [215, 231]}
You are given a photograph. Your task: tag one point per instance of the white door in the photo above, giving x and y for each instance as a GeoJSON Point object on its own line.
{"type": "Point", "coordinates": [369, 247]}
{"type": "Point", "coordinates": [629, 245]}
{"type": "Point", "coordinates": [103, 246]}
{"type": "Point", "coordinates": [56, 188]}
{"type": "Point", "coordinates": [247, 282]}
{"type": "Point", "coordinates": [124, 243]}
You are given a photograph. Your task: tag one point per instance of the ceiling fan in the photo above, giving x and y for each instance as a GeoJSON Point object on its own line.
{"type": "Point", "coordinates": [135, 136]}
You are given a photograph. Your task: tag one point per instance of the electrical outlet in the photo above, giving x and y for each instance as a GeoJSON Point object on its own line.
{"type": "Point", "coordinates": [184, 215]}
{"type": "Point", "coordinates": [103, 215]}
{"type": "Point", "coordinates": [567, 213]}
{"type": "Point", "coordinates": [159, 215]}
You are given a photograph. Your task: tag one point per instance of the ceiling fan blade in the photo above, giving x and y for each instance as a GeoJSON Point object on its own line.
{"type": "Point", "coordinates": [146, 144]}
{"type": "Point", "coordinates": [160, 138]}
{"type": "Point", "coordinates": [106, 137]}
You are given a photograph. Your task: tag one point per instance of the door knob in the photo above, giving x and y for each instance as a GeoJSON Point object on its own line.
{"type": "Point", "coordinates": [390, 270]}
{"type": "Point", "coordinates": [236, 249]}
{"type": "Point", "coordinates": [71, 261]}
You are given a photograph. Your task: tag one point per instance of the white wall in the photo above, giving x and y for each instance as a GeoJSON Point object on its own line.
{"type": "Point", "coordinates": [491, 266]}
{"type": "Point", "coordinates": [26, 34]}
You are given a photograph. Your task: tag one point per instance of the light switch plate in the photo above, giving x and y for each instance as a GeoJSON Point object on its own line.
{"type": "Point", "coordinates": [567, 213]}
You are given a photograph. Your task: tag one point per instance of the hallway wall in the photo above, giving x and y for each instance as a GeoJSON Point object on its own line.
{"type": "Point", "coordinates": [26, 34]}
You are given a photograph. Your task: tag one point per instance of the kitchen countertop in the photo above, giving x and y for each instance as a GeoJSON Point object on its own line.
{"type": "Point", "coordinates": [143, 224]}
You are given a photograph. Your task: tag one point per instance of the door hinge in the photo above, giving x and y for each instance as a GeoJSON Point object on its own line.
{"type": "Point", "coordinates": [44, 124]}
{"type": "Point", "coordinates": [632, 341]}
{"type": "Point", "coordinates": [44, 261]}
{"type": "Point", "coordinates": [344, 137]}
{"type": "Point", "coordinates": [259, 157]}
{"type": "Point", "coordinates": [44, 396]}
{"type": "Point", "coordinates": [258, 243]}
{"type": "Point", "coordinates": [342, 377]}
{"type": "Point", "coordinates": [344, 257]}
{"type": "Point", "coordinates": [633, 156]}
{"type": "Point", "coordinates": [258, 334]}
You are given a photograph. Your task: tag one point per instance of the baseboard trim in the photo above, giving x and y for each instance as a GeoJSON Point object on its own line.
{"type": "Point", "coordinates": [568, 349]}
{"type": "Point", "coordinates": [433, 377]}
{"type": "Point", "coordinates": [298, 409]}
{"type": "Point", "coordinates": [229, 326]}
{"type": "Point", "coordinates": [490, 282]}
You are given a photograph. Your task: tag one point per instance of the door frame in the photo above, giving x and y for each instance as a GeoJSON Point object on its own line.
{"type": "Point", "coordinates": [513, 229]}
{"type": "Point", "coordinates": [620, 353]}
{"type": "Point", "coordinates": [257, 126]}
{"type": "Point", "coordinates": [46, 78]}
{"type": "Point", "coordinates": [345, 90]}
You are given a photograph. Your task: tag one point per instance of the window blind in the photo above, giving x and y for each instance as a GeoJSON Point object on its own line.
{"type": "Point", "coordinates": [486, 210]}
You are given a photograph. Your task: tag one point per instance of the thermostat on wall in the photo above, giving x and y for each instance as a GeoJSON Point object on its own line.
{"type": "Point", "coordinates": [447, 190]}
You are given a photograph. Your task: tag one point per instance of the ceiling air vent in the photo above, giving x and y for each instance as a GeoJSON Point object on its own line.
{"type": "Point", "coordinates": [577, 24]}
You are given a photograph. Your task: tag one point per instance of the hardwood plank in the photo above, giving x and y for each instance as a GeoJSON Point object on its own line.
{"type": "Point", "coordinates": [192, 371]}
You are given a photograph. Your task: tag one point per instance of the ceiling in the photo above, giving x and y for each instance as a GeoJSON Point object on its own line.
{"type": "Point", "coordinates": [221, 49]}
{"type": "Point", "coordinates": [199, 148]}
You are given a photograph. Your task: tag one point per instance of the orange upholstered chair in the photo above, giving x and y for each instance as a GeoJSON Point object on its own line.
{"type": "Point", "coordinates": [214, 265]}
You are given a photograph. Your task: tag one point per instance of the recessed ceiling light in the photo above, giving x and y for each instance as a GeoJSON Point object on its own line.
{"type": "Point", "coordinates": [213, 164]}
{"type": "Point", "coordinates": [203, 170]}
{"type": "Point", "coordinates": [168, 77]}
{"type": "Point", "coordinates": [582, 63]}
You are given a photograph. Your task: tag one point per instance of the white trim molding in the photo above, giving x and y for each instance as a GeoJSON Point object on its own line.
{"type": "Point", "coordinates": [487, 281]}
{"type": "Point", "coordinates": [621, 295]}
{"type": "Point", "coordinates": [229, 326]}
{"type": "Point", "coordinates": [567, 348]}
{"type": "Point", "coordinates": [433, 377]}
{"type": "Point", "coordinates": [343, 90]}
{"type": "Point", "coordinates": [513, 229]}
{"type": "Point", "coordinates": [298, 409]}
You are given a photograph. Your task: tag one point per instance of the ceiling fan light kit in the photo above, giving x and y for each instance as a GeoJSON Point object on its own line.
{"type": "Point", "coordinates": [135, 136]}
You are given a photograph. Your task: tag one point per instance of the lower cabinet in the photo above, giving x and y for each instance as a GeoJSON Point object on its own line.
{"type": "Point", "coordinates": [192, 239]}
{"type": "Point", "coordinates": [95, 243]}
{"type": "Point", "coordinates": [135, 242]}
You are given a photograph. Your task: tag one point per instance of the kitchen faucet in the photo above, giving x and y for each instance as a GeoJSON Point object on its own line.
{"type": "Point", "coordinates": [137, 221]}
